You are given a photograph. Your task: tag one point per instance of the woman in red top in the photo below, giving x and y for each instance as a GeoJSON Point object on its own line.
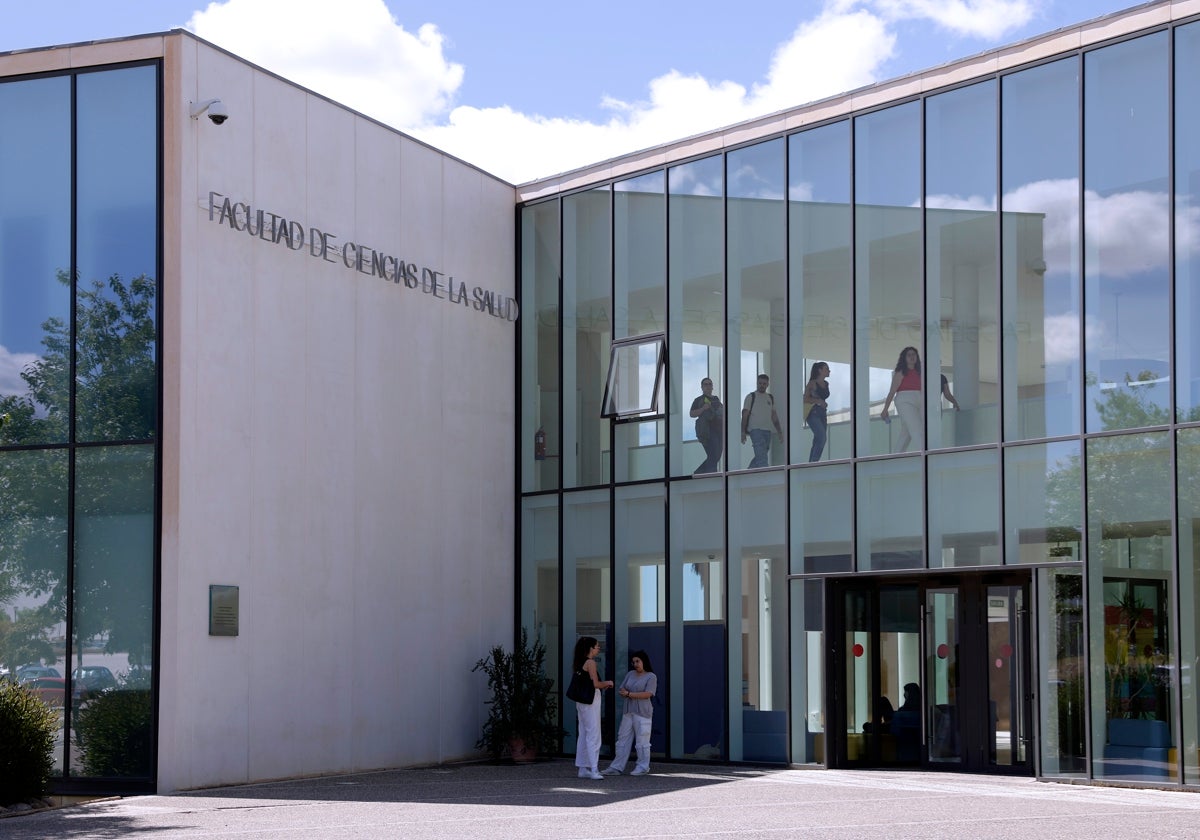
{"type": "Point", "coordinates": [906, 392]}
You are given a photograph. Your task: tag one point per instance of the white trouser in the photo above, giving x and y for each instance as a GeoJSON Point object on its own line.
{"type": "Point", "coordinates": [635, 729]}
{"type": "Point", "coordinates": [912, 424]}
{"type": "Point", "coordinates": [587, 741]}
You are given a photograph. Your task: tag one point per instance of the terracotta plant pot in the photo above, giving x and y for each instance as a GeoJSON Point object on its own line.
{"type": "Point", "coordinates": [520, 752]}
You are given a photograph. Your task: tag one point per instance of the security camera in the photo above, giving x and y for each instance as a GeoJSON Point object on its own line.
{"type": "Point", "coordinates": [215, 109]}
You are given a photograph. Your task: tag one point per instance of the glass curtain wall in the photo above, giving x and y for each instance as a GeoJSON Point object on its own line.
{"type": "Point", "coordinates": [1187, 221]}
{"type": "Point", "coordinates": [819, 290]}
{"type": "Point", "coordinates": [541, 441]}
{"type": "Point", "coordinates": [79, 207]}
{"type": "Point", "coordinates": [696, 339]}
{"type": "Point", "coordinates": [888, 270]}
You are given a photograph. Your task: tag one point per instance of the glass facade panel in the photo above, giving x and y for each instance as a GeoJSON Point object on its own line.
{"type": "Point", "coordinates": [1187, 221]}
{"type": "Point", "coordinates": [1043, 493]}
{"type": "Point", "coordinates": [1060, 641]}
{"type": "Point", "coordinates": [116, 255]}
{"type": "Point", "coordinates": [962, 360]}
{"type": "Point", "coordinates": [698, 668]}
{"type": "Point", "coordinates": [819, 290]}
{"type": "Point", "coordinates": [541, 442]}
{"type": "Point", "coordinates": [1188, 478]}
{"type": "Point", "coordinates": [890, 515]}
{"type": "Point", "coordinates": [822, 526]}
{"type": "Point", "coordinates": [1040, 251]}
{"type": "Point", "coordinates": [113, 615]}
{"type": "Point", "coordinates": [888, 269]}
{"type": "Point", "coordinates": [540, 579]}
{"type": "Point", "coordinates": [758, 598]}
{"type": "Point", "coordinates": [964, 509]}
{"type": "Point", "coordinates": [757, 301]}
{"type": "Point", "coordinates": [1130, 593]}
{"type": "Point", "coordinates": [587, 591]}
{"type": "Point", "coordinates": [696, 341]}
{"type": "Point", "coordinates": [35, 260]}
{"type": "Point", "coordinates": [640, 261]}
{"type": "Point", "coordinates": [807, 668]}
{"type": "Point", "coordinates": [1127, 223]}
{"type": "Point", "coordinates": [587, 335]}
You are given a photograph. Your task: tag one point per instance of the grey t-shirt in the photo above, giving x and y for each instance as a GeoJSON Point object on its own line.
{"type": "Point", "coordinates": [645, 682]}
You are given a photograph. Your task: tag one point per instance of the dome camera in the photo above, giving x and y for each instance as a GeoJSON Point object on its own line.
{"type": "Point", "coordinates": [215, 109]}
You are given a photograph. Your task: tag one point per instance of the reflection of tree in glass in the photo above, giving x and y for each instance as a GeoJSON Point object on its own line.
{"type": "Point", "coordinates": [115, 400]}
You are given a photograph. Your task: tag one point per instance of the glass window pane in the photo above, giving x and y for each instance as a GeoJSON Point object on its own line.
{"type": "Point", "coordinates": [808, 671]}
{"type": "Point", "coordinates": [1127, 223]}
{"type": "Point", "coordinates": [822, 530]}
{"type": "Point", "coordinates": [1188, 477]}
{"type": "Point", "coordinates": [1130, 584]}
{"type": "Point", "coordinates": [758, 597]}
{"type": "Point", "coordinates": [1187, 220]}
{"type": "Point", "coordinates": [33, 572]}
{"type": "Point", "coordinates": [697, 294]}
{"type": "Point", "coordinates": [541, 443]}
{"type": "Point", "coordinates": [757, 295]}
{"type": "Point", "coordinates": [117, 254]}
{"type": "Point", "coordinates": [634, 378]}
{"type": "Point", "coordinates": [888, 255]}
{"type": "Point", "coordinates": [890, 515]}
{"type": "Point", "coordinates": [587, 589]}
{"type": "Point", "coordinates": [1043, 490]}
{"type": "Point", "coordinates": [1041, 278]}
{"type": "Point", "coordinates": [587, 281]}
{"type": "Point", "coordinates": [539, 576]}
{"type": "Point", "coordinates": [640, 246]}
{"type": "Point", "coordinates": [962, 399]}
{"type": "Point", "coordinates": [113, 619]}
{"type": "Point", "coordinates": [696, 611]}
{"type": "Point", "coordinates": [819, 290]}
{"type": "Point", "coordinates": [964, 509]}
{"type": "Point", "coordinates": [35, 260]}
{"type": "Point", "coordinates": [1059, 638]}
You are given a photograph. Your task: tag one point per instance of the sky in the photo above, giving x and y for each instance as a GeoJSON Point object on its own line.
{"type": "Point", "coordinates": [534, 88]}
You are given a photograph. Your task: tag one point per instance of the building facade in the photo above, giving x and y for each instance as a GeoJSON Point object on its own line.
{"type": "Point", "coordinates": [979, 551]}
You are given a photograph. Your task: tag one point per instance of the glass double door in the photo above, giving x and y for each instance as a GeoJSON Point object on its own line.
{"type": "Point", "coordinates": [931, 673]}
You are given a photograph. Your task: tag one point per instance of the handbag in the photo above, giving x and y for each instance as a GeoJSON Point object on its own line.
{"type": "Point", "coordinates": [581, 689]}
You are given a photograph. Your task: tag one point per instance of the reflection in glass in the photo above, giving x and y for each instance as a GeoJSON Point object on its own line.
{"type": "Point", "coordinates": [1188, 478]}
{"type": "Point", "coordinates": [819, 282]}
{"type": "Point", "coordinates": [822, 531]}
{"type": "Point", "coordinates": [1043, 486]}
{"type": "Point", "coordinates": [541, 443]}
{"type": "Point", "coordinates": [757, 295]}
{"type": "Point", "coordinates": [1130, 558]}
{"type": "Point", "coordinates": [1187, 220]}
{"type": "Point", "coordinates": [757, 604]}
{"type": "Point", "coordinates": [539, 577]}
{"type": "Point", "coordinates": [961, 266]}
{"type": "Point", "coordinates": [33, 571]}
{"type": "Point", "coordinates": [890, 515]}
{"type": "Point", "coordinates": [888, 255]}
{"type": "Point", "coordinates": [587, 334]}
{"type": "Point", "coordinates": [807, 670]}
{"type": "Point", "coordinates": [1060, 652]}
{"type": "Point", "coordinates": [113, 618]}
{"type": "Point", "coordinates": [696, 343]}
{"type": "Point", "coordinates": [696, 612]}
{"type": "Point", "coordinates": [639, 267]}
{"type": "Point", "coordinates": [1127, 223]}
{"type": "Point", "coordinates": [35, 259]}
{"type": "Point", "coordinates": [1040, 257]}
{"type": "Point", "coordinates": [116, 254]}
{"type": "Point", "coordinates": [587, 588]}
{"type": "Point", "coordinates": [942, 674]}
{"type": "Point", "coordinates": [964, 509]}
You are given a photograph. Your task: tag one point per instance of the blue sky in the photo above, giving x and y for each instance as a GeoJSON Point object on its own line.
{"type": "Point", "coordinates": [534, 88]}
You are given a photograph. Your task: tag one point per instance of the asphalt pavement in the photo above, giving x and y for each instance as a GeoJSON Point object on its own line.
{"type": "Point", "coordinates": [547, 800]}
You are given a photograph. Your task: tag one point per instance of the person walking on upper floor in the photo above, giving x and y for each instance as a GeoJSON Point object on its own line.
{"type": "Point", "coordinates": [758, 416]}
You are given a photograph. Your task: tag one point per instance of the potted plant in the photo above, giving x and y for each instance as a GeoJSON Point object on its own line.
{"type": "Point", "coordinates": [523, 707]}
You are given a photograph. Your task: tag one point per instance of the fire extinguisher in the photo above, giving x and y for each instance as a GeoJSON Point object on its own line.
{"type": "Point", "coordinates": [539, 445]}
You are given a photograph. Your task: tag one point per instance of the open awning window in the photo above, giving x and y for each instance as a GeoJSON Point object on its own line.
{"type": "Point", "coordinates": [635, 377]}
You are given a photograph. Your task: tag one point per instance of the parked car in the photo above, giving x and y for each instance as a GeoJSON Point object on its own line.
{"type": "Point", "coordinates": [27, 673]}
{"type": "Point", "coordinates": [50, 690]}
{"type": "Point", "coordinates": [90, 680]}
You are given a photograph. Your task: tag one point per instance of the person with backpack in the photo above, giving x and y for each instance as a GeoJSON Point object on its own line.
{"type": "Point", "coordinates": [758, 415]}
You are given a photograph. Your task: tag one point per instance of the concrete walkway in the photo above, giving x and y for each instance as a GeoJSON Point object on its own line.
{"type": "Point", "coordinates": [546, 800]}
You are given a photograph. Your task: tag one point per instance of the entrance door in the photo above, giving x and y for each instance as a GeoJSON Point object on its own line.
{"type": "Point", "coordinates": [931, 672]}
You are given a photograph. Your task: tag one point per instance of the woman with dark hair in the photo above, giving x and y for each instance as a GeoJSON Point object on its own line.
{"type": "Point", "coordinates": [906, 392]}
{"type": "Point", "coordinates": [815, 395]}
{"type": "Point", "coordinates": [587, 741]}
{"type": "Point", "coordinates": [638, 689]}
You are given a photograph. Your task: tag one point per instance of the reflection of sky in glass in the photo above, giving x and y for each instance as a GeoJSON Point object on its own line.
{"type": "Point", "coordinates": [757, 171]}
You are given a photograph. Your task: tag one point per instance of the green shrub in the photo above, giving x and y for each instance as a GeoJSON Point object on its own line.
{"type": "Point", "coordinates": [27, 730]}
{"type": "Point", "coordinates": [114, 731]}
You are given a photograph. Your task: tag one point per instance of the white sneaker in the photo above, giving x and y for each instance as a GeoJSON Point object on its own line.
{"type": "Point", "coordinates": [638, 771]}
{"type": "Point", "coordinates": [585, 773]}
{"type": "Point", "coordinates": [610, 771]}
{"type": "Point", "coordinates": [592, 774]}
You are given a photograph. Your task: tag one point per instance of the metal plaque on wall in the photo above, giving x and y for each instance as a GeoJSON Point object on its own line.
{"type": "Point", "coordinates": [222, 610]}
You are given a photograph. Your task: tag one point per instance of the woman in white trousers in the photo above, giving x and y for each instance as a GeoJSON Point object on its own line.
{"type": "Point", "coordinates": [587, 741]}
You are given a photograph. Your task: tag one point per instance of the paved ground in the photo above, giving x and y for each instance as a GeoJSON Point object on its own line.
{"type": "Point", "coordinates": [546, 800]}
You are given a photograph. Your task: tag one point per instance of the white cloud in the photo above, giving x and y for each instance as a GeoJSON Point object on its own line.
{"type": "Point", "coordinates": [11, 365]}
{"type": "Point", "coordinates": [988, 19]}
